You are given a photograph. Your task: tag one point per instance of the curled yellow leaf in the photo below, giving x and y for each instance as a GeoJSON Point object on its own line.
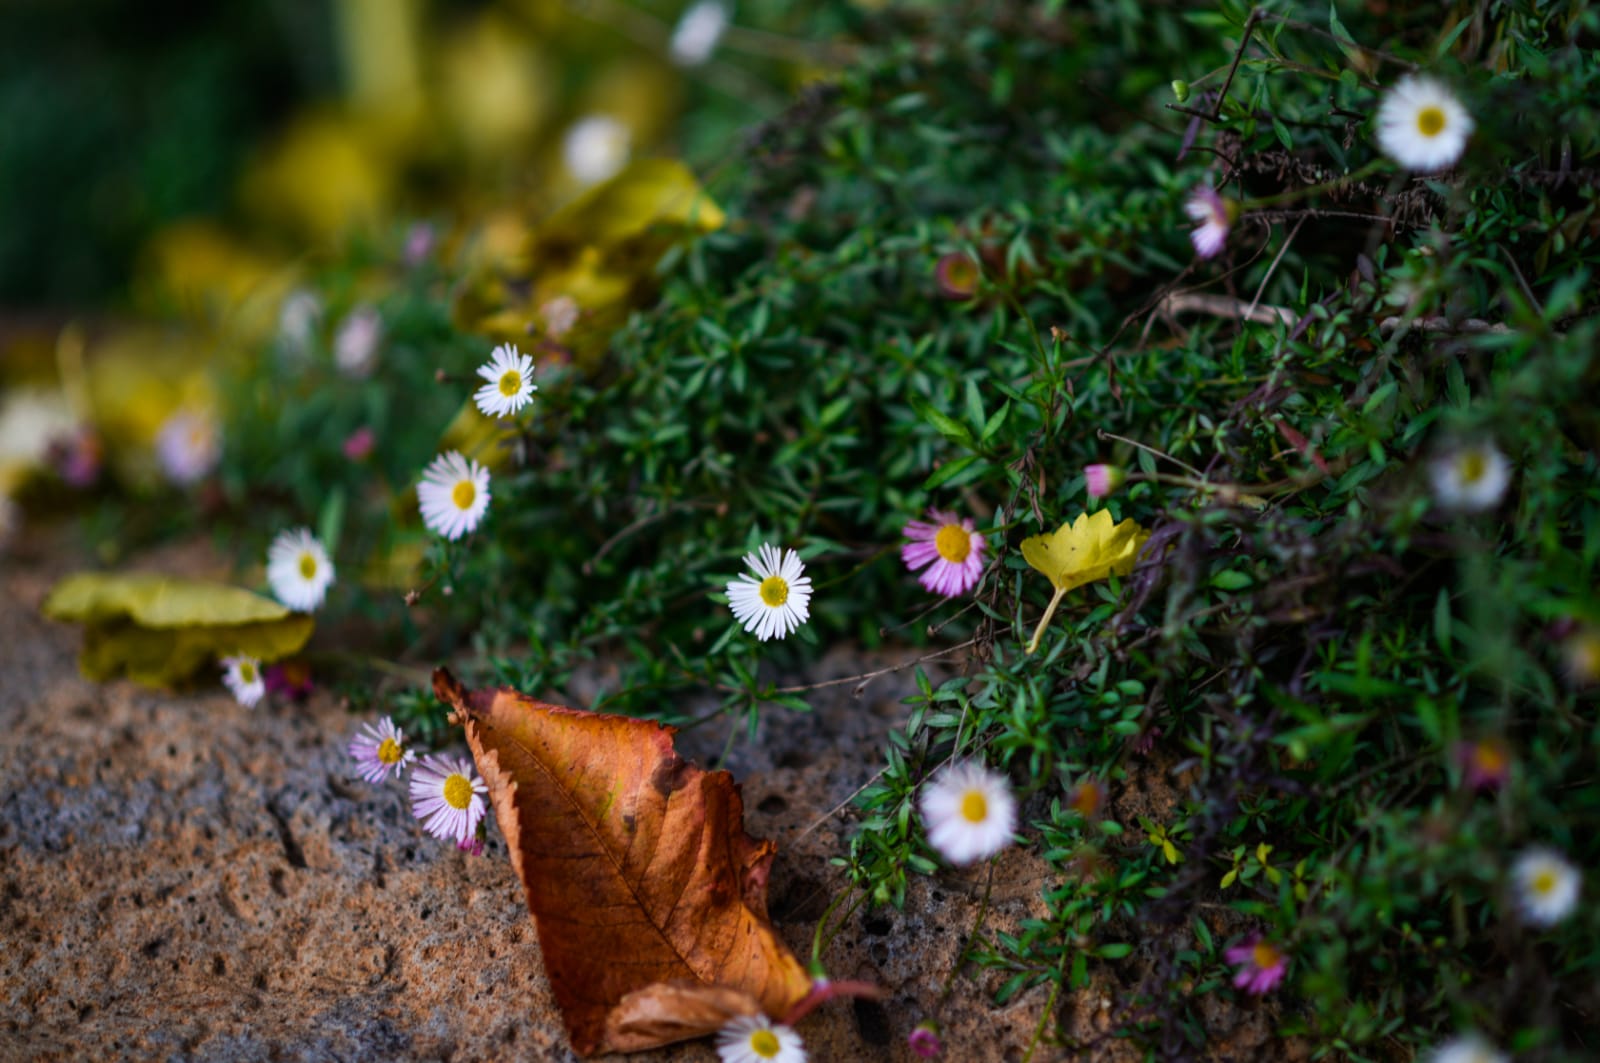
{"type": "Point", "coordinates": [1093, 547]}
{"type": "Point", "coordinates": [160, 630]}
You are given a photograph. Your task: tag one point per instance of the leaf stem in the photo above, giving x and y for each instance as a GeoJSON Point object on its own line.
{"type": "Point", "coordinates": [1044, 621]}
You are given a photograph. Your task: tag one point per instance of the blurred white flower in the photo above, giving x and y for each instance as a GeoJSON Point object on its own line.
{"type": "Point", "coordinates": [1421, 124]}
{"type": "Point", "coordinates": [299, 569]}
{"type": "Point", "coordinates": [1547, 886]}
{"type": "Point", "coordinates": [1468, 1048]}
{"type": "Point", "coordinates": [355, 348]}
{"type": "Point", "coordinates": [1470, 477]}
{"type": "Point", "coordinates": [698, 32]}
{"type": "Point", "coordinates": [188, 446]}
{"type": "Point", "coordinates": [595, 148]}
{"type": "Point", "coordinates": [298, 319]}
{"type": "Point", "coordinates": [559, 314]}
{"type": "Point", "coordinates": [968, 812]}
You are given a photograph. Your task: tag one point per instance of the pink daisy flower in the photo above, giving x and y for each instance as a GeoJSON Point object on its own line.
{"type": "Point", "coordinates": [446, 794]}
{"type": "Point", "coordinates": [1485, 764]}
{"type": "Point", "coordinates": [948, 548]}
{"type": "Point", "coordinates": [380, 750]}
{"type": "Point", "coordinates": [1215, 218]}
{"type": "Point", "coordinates": [1261, 965]}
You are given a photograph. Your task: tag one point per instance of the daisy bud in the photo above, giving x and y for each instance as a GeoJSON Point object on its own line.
{"type": "Point", "coordinates": [924, 1041]}
{"type": "Point", "coordinates": [1102, 480]}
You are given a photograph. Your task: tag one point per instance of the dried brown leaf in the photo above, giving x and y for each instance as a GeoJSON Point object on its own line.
{"type": "Point", "coordinates": [636, 868]}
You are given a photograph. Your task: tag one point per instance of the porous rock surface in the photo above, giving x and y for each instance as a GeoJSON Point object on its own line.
{"type": "Point", "coordinates": [184, 879]}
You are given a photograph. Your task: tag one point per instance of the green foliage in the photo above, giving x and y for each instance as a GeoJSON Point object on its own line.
{"type": "Point", "coordinates": [1309, 635]}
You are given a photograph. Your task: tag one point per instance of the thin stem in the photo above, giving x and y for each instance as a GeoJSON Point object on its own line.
{"type": "Point", "coordinates": [1150, 450]}
{"type": "Point", "coordinates": [1044, 621]}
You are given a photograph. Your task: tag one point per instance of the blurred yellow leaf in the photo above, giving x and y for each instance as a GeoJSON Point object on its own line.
{"type": "Point", "coordinates": [198, 269]}
{"type": "Point", "coordinates": [161, 630]}
{"type": "Point", "coordinates": [326, 175]}
{"type": "Point", "coordinates": [600, 251]}
{"type": "Point", "coordinates": [136, 379]}
{"type": "Point", "coordinates": [493, 89]}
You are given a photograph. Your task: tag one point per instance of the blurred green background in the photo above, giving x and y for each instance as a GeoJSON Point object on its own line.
{"type": "Point", "coordinates": [143, 146]}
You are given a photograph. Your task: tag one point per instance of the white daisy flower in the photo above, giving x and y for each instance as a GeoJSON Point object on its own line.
{"type": "Point", "coordinates": [510, 384]}
{"type": "Point", "coordinates": [776, 599]}
{"type": "Point", "coordinates": [757, 1039]}
{"type": "Point", "coordinates": [355, 347]}
{"type": "Point", "coordinates": [1547, 886]}
{"type": "Point", "coordinates": [1421, 124]}
{"type": "Point", "coordinates": [380, 750]}
{"type": "Point", "coordinates": [1470, 478]}
{"type": "Point", "coordinates": [1468, 1048]}
{"type": "Point", "coordinates": [298, 569]}
{"type": "Point", "coordinates": [446, 794]}
{"type": "Point", "coordinates": [188, 447]}
{"type": "Point", "coordinates": [969, 812]}
{"type": "Point", "coordinates": [595, 148]}
{"type": "Point", "coordinates": [242, 676]}
{"type": "Point", "coordinates": [698, 32]}
{"type": "Point", "coordinates": [453, 495]}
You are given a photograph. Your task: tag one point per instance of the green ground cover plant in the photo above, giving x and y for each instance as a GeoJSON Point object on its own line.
{"type": "Point", "coordinates": [1027, 261]}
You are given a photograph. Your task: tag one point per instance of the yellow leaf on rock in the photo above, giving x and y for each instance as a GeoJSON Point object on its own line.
{"type": "Point", "coordinates": [161, 630]}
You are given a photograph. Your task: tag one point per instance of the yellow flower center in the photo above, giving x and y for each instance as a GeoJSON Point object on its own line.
{"type": "Point", "coordinates": [463, 494]}
{"type": "Point", "coordinates": [1471, 466]}
{"type": "Point", "coordinates": [1430, 121]}
{"type": "Point", "coordinates": [954, 543]}
{"type": "Point", "coordinates": [764, 1043]}
{"type": "Point", "coordinates": [247, 672]}
{"type": "Point", "coordinates": [389, 752]}
{"type": "Point", "coordinates": [774, 591]}
{"type": "Point", "coordinates": [974, 806]}
{"type": "Point", "coordinates": [308, 566]}
{"type": "Point", "coordinates": [1265, 956]}
{"type": "Point", "coordinates": [457, 791]}
{"type": "Point", "coordinates": [510, 382]}
{"type": "Point", "coordinates": [1489, 758]}
{"type": "Point", "coordinates": [1544, 882]}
